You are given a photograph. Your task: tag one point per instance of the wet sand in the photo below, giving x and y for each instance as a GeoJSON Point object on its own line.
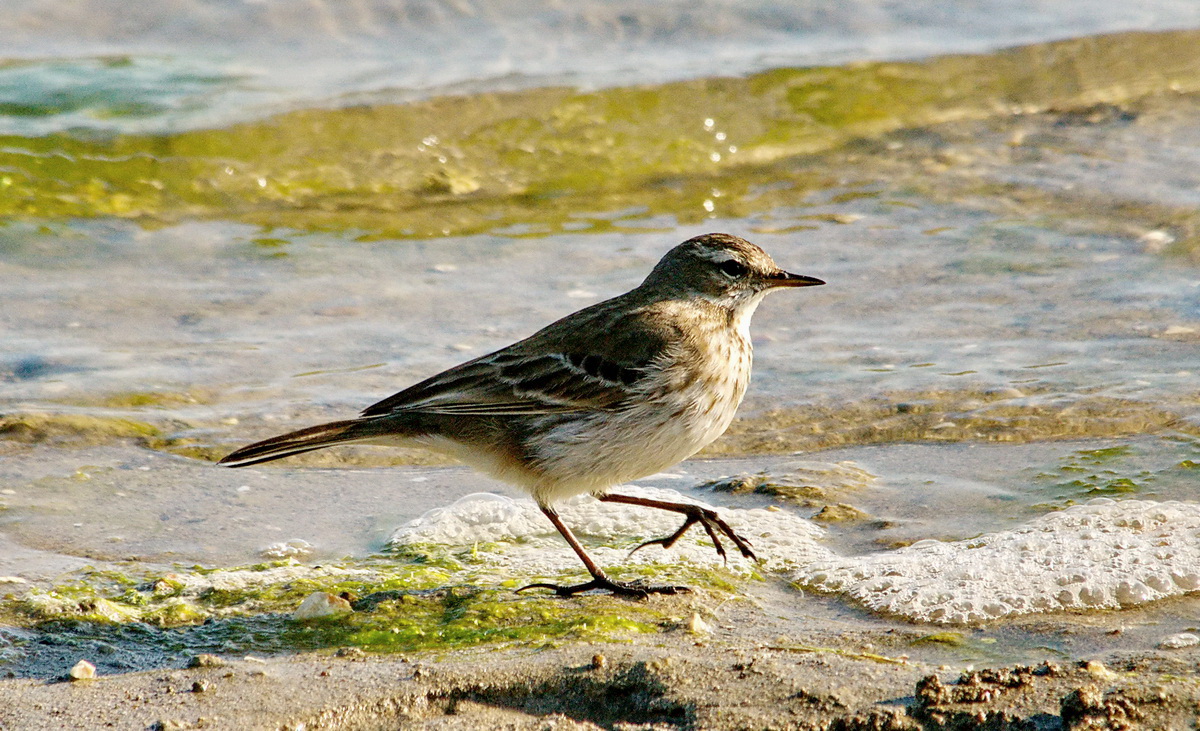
{"type": "Point", "coordinates": [746, 673]}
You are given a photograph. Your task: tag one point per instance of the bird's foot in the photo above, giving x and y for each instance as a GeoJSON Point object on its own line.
{"type": "Point", "coordinates": [712, 524]}
{"type": "Point", "coordinates": [634, 589]}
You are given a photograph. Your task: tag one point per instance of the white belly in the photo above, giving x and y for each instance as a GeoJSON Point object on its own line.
{"type": "Point", "coordinates": [595, 451]}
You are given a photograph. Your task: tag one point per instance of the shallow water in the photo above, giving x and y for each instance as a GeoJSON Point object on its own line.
{"type": "Point", "coordinates": [191, 63]}
{"type": "Point", "coordinates": [1011, 324]}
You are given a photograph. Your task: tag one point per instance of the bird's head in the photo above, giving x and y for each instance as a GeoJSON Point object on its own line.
{"type": "Point", "coordinates": [723, 269]}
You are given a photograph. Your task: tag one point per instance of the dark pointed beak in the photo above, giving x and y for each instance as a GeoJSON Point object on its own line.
{"type": "Point", "coordinates": [787, 279]}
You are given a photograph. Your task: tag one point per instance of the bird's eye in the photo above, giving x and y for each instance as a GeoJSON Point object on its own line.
{"type": "Point", "coordinates": [733, 268]}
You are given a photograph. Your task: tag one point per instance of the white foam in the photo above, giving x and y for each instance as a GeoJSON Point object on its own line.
{"type": "Point", "coordinates": [1102, 555]}
{"type": "Point", "coordinates": [609, 531]}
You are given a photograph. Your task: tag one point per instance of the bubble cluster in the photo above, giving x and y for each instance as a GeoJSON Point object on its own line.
{"type": "Point", "coordinates": [1102, 555]}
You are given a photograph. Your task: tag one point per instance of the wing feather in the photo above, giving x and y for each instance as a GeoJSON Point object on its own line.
{"type": "Point", "coordinates": [593, 362]}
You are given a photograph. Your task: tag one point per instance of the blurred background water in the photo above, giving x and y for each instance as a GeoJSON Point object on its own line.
{"type": "Point", "coordinates": [104, 64]}
{"type": "Point", "coordinates": [225, 219]}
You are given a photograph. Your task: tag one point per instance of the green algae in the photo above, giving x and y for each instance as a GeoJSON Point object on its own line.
{"type": "Point", "coordinates": [1116, 471]}
{"type": "Point", "coordinates": [464, 617]}
{"type": "Point", "coordinates": [842, 652]}
{"type": "Point", "coordinates": [73, 429]}
{"type": "Point", "coordinates": [965, 415]}
{"type": "Point", "coordinates": [464, 165]}
{"type": "Point", "coordinates": [397, 607]}
{"type": "Point", "coordinates": [946, 416]}
{"type": "Point", "coordinates": [147, 399]}
{"type": "Point", "coordinates": [944, 639]}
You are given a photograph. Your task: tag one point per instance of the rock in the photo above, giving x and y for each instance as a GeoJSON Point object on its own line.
{"type": "Point", "coordinates": [200, 686]}
{"type": "Point", "coordinates": [206, 660]}
{"type": "Point", "coordinates": [109, 611]}
{"type": "Point", "coordinates": [1177, 641]}
{"type": "Point", "coordinates": [840, 513]}
{"type": "Point", "coordinates": [1086, 708]}
{"type": "Point", "coordinates": [1097, 669]}
{"type": "Point", "coordinates": [82, 670]}
{"type": "Point", "coordinates": [801, 482]}
{"type": "Point", "coordinates": [321, 604]}
{"type": "Point", "coordinates": [599, 662]}
{"type": "Point", "coordinates": [697, 625]}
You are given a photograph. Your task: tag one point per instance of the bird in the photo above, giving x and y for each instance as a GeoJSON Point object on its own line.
{"type": "Point", "coordinates": [619, 390]}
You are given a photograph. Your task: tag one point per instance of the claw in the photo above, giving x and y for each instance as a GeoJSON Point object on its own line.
{"type": "Point", "coordinates": [709, 519]}
{"type": "Point", "coordinates": [716, 541]}
{"type": "Point", "coordinates": [669, 541]}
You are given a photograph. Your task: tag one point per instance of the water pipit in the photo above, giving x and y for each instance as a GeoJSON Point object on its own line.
{"type": "Point", "coordinates": [617, 391]}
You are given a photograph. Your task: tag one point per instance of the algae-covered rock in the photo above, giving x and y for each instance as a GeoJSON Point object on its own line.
{"type": "Point", "coordinates": [841, 513]}
{"type": "Point", "coordinates": [804, 483]}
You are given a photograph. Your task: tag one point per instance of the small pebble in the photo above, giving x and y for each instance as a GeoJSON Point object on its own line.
{"type": "Point", "coordinates": [321, 604]}
{"type": "Point", "coordinates": [200, 686]}
{"type": "Point", "coordinates": [1097, 669]}
{"type": "Point", "coordinates": [599, 662]}
{"type": "Point", "coordinates": [697, 625]}
{"type": "Point", "coordinates": [1177, 641]}
{"type": "Point", "coordinates": [83, 670]}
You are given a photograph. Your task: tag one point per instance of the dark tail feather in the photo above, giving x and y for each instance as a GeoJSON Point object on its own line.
{"type": "Point", "coordinates": [304, 440]}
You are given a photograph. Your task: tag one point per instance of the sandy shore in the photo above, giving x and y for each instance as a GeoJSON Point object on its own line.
{"type": "Point", "coordinates": [736, 672]}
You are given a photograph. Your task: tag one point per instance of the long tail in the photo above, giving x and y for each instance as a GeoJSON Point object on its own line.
{"type": "Point", "coordinates": [305, 440]}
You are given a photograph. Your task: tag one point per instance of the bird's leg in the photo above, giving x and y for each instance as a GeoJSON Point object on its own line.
{"type": "Point", "coordinates": [694, 514]}
{"type": "Point", "coordinates": [600, 579]}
